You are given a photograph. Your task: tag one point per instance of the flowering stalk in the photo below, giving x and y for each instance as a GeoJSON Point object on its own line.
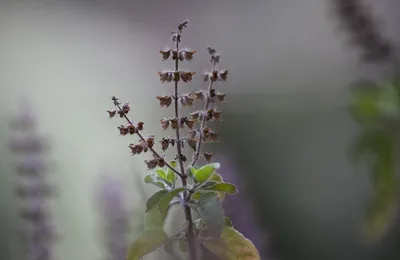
{"type": "Point", "coordinates": [201, 189]}
{"type": "Point", "coordinates": [34, 188]}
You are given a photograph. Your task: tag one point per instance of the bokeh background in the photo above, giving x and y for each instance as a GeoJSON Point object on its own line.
{"type": "Point", "coordinates": [286, 129]}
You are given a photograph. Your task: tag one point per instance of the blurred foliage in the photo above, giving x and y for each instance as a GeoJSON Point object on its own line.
{"type": "Point", "coordinates": [376, 109]}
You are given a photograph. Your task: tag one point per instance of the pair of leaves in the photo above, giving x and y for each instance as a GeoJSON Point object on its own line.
{"type": "Point", "coordinates": [164, 179]}
{"type": "Point", "coordinates": [204, 173]}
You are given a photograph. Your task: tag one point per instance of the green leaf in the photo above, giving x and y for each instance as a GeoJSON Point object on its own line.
{"type": "Point", "coordinates": [205, 172]}
{"type": "Point", "coordinates": [171, 177]}
{"type": "Point", "coordinates": [154, 218]}
{"type": "Point", "coordinates": [212, 214]}
{"type": "Point", "coordinates": [161, 173]}
{"type": "Point", "coordinates": [155, 180]}
{"type": "Point", "coordinates": [147, 242]}
{"type": "Point", "coordinates": [196, 195]}
{"type": "Point", "coordinates": [225, 187]}
{"type": "Point", "coordinates": [216, 177]}
{"type": "Point", "coordinates": [233, 246]}
{"type": "Point", "coordinates": [192, 171]}
{"type": "Point", "coordinates": [166, 200]}
{"type": "Point", "coordinates": [228, 222]}
{"type": "Point", "coordinates": [155, 199]}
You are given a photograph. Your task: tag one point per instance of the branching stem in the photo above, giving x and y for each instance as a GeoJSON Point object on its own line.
{"type": "Point", "coordinates": [144, 140]}
{"type": "Point", "coordinates": [203, 121]}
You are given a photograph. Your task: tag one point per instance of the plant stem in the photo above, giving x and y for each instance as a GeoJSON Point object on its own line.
{"type": "Point", "coordinates": [144, 140]}
{"type": "Point", "coordinates": [183, 175]}
{"type": "Point", "coordinates": [203, 121]}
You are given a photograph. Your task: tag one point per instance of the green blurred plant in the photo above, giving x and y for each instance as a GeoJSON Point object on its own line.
{"type": "Point", "coordinates": [376, 109]}
{"type": "Point", "coordinates": [201, 188]}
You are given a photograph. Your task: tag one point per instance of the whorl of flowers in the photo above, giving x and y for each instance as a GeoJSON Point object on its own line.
{"type": "Point", "coordinates": [34, 188]}
{"type": "Point", "coordinates": [115, 217]}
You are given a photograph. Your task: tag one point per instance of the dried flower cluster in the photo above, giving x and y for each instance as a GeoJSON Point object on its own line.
{"type": "Point", "coordinates": [116, 217]}
{"type": "Point", "coordinates": [358, 21]}
{"type": "Point", "coordinates": [195, 135]}
{"type": "Point", "coordinates": [33, 187]}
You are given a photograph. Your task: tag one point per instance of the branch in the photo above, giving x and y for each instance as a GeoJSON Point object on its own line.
{"type": "Point", "coordinates": [116, 103]}
{"type": "Point", "coordinates": [203, 121]}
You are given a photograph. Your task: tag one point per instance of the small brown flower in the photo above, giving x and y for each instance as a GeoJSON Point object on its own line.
{"type": "Point", "coordinates": [132, 129]}
{"type": "Point", "coordinates": [161, 162]}
{"type": "Point", "coordinates": [216, 114]}
{"type": "Point", "coordinates": [166, 76]}
{"type": "Point", "coordinates": [212, 93]}
{"type": "Point", "coordinates": [221, 97]}
{"type": "Point", "coordinates": [123, 130]}
{"type": "Point", "coordinates": [214, 136]}
{"type": "Point", "coordinates": [174, 123]}
{"type": "Point", "coordinates": [187, 76]}
{"type": "Point", "coordinates": [177, 76]}
{"type": "Point", "coordinates": [206, 133]}
{"type": "Point", "coordinates": [111, 114]}
{"type": "Point", "coordinates": [182, 122]}
{"type": "Point", "coordinates": [126, 108]}
{"type": "Point", "coordinates": [139, 126]}
{"type": "Point", "coordinates": [186, 100]}
{"type": "Point", "coordinates": [165, 144]}
{"type": "Point", "coordinates": [151, 164]}
{"type": "Point", "coordinates": [164, 123]}
{"type": "Point", "coordinates": [165, 101]}
{"type": "Point", "coordinates": [136, 148]}
{"type": "Point", "coordinates": [183, 158]}
{"type": "Point", "coordinates": [197, 95]}
{"type": "Point", "coordinates": [209, 114]}
{"type": "Point", "coordinates": [189, 100]}
{"type": "Point", "coordinates": [121, 113]}
{"type": "Point", "coordinates": [210, 76]}
{"type": "Point", "coordinates": [195, 115]}
{"type": "Point", "coordinates": [165, 53]}
{"type": "Point", "coordinates": [186, 54]}
{"type": "Point", "coordinates": [223, 75]}
{"type": "Point", "coordinates": [190, 123]}
{"type": "Point", "coordinates": [143, 143]}
{"type": "Point", "coordinates": [150, 141]}
{"type": "Point", "coordinates": [207, 156]}
{"type": "Point", "coordinates": [174, 54]}
{"type": "Point", "coordinates": [192, 143]}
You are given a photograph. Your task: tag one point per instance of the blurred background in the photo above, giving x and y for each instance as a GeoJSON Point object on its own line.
{"type": "Point", "coordinates": [286, 128]}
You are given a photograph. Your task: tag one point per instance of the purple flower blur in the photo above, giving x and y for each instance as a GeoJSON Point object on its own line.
{"type": "Point", "coordinates": [33, 187]}
{"type": "Point", "coordinates": [115, 216]}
